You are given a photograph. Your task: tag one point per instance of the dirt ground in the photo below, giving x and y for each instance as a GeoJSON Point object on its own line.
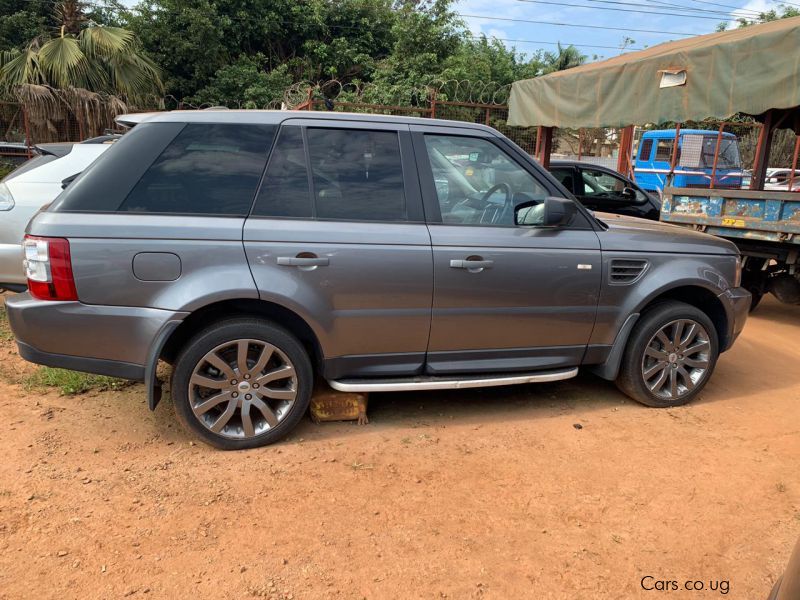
{"type": "Point", "coordinates": [471, 494]}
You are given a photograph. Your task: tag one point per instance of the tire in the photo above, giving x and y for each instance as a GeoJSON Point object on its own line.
{"type": "Point", "coordinates": [234, 409]}
{"type": "Point", "coordinates": [652, 354]}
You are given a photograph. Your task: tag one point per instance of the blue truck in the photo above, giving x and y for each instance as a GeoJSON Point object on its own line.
{"type": "Point", "coordinates": [694, 165]}
{"type": "Point", "coordinates": [765, 225]}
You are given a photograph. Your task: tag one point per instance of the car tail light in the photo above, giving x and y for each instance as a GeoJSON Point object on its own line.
{"type": "Point", "coordinates": [48, 267]}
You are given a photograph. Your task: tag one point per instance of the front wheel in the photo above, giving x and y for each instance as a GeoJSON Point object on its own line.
{"type": "Point", "coordinates": [671, 354]}
{"type": "Point", "coordinates": [242, 383]}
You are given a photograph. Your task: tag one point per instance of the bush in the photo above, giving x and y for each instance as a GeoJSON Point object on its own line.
{"type": "Point", "coordinates": [6, 168]}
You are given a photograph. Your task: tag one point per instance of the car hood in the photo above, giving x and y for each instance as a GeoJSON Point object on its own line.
{"type": "Point", "coordinates": [641, 235]}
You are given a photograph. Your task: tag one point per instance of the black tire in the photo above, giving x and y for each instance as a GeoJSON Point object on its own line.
{"type": "Point", "coordinates": [256, 331]}
{"type": "Point", "coordinates": [631, 379]}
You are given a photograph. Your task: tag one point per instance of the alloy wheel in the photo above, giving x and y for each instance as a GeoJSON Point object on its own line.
{"type": "Point", "coordinates": [242, 388]}
{"type": "Point", "coordinates": [676, 359]}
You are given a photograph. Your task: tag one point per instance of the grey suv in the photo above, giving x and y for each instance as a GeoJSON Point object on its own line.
{"type": "Point", "coordinates": [254, 250]}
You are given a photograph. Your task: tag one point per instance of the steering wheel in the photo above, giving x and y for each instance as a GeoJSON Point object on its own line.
{"type": "Point", "coordinates": [508, 203]}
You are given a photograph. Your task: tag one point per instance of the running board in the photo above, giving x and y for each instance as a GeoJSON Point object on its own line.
{"type": "Point", "coordinates": [447, 383]}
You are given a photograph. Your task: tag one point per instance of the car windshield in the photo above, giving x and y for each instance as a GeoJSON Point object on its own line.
{"type": "Point", "coordinates": [728, 153]}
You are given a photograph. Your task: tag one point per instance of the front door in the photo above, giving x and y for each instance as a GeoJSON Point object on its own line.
{"type": "Point", "coordinates": [337, 234]}
{"type": "Point", "coordinates": [506, 298]}
{"type": "Point", "coordinates": [603, 191]}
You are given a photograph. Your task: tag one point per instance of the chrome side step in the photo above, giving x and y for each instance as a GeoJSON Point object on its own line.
{"type": "Point", "coordinates": [447, 383]}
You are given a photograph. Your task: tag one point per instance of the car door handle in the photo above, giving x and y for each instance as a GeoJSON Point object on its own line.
{"type": "Point", "coordinates": [470, 264]}
{"type": "Point", "coordinates": [303, 261]}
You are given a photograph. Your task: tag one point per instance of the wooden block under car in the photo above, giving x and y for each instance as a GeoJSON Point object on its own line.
{"type": "Point", "coordinates": [328, 404]}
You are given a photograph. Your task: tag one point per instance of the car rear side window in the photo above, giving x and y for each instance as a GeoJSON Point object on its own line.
{"type": "Point", "coordinates": [357, 175]}
{"type": "Point", "coordinates": [208, 169]}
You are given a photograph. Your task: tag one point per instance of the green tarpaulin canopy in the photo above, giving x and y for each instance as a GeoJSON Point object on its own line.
{"type": "Point", "coordinates": [749, 70]}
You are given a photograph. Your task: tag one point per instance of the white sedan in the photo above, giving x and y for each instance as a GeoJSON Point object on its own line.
{"type": "Point", "coordinates": [34, 184]}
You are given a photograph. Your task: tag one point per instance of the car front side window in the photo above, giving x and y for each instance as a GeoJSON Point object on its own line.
{"type": "Point", "coordinates": [476, 182]}
{"type": "Point", "coordinates": [601, 184]}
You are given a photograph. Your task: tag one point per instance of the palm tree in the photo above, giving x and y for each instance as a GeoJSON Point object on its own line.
{"type": "Point", "coordinates": [92, 69]}
{"type": "Point", "coordinates": [563, 58]}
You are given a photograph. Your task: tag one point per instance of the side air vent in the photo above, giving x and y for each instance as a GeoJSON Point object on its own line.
{"type": "Point", "coordinates": [626, 270]}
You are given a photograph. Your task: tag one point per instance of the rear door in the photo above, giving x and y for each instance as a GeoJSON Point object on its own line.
{"type": "Point", "coordinates": [337, 234]}
{"type": "Point", "coordinates": [506, 298]}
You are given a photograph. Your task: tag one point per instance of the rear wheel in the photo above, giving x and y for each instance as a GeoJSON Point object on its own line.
{"type": "Point", "coordinates": [242, 383]}
{"type": "Point", "coordinates": [670, 356]}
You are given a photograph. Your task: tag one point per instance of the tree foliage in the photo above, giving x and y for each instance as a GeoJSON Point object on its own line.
{"type": "Point", "coordinates": [247, 52]}
{"type": "Point", "coordinates": [242, 51]}
{"type": "Point", "coordinates": [82, 55]}
{"type": "Point", "coordinates": [783, 11]}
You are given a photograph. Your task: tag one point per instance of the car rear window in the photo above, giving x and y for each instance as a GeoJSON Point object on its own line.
{"type": "Point", "coordinates": [174, 168]}
{"type": "Point", "coordinates": [29, 165]}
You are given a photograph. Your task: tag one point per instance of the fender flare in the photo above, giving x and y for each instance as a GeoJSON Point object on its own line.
{"type": "Point", "coordinates": [610, 369]}
{"type": "Point", "coordinates": [150, 380]}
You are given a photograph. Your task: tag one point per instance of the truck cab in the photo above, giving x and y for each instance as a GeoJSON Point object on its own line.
{"type": "Point", "coordinates": [695, 161]}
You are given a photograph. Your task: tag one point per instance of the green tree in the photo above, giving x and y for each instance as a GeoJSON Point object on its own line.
{"type": "Point", "coordinates": [82, 56]}
{"type": "Point", "coordinates": [315, 39]}
{"type": "Point", "coordinates": [782, 12]}
{"type": "Point", "coordinates": [246, 84]}
{"type": "Point", "coordinates": [23, 20]}
{"type": "Point", "coordinates": [489, 60]}
{"type": "Point", "coordinates": [563, 58]}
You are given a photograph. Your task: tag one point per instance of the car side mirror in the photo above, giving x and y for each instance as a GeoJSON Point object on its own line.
{"type": "Point", "coordinates": [552, 212]}
{"type": "Point", "coordinates": [629, 193]}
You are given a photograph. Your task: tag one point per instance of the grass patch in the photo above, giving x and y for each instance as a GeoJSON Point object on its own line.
{"type": "Point", "coordinates": [70, 383]}
{"type": "Point", "coordinates": [5, 329]}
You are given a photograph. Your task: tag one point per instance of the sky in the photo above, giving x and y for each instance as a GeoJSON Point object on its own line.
{"type": "Point", "coordinates": [600, 40]}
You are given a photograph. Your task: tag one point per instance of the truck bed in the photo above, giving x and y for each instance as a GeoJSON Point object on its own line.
{"type": "Point", "coordinates": [766, 216]}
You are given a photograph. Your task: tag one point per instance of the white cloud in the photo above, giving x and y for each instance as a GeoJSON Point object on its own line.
{"type": "Point", "coordinates": [757, 6]}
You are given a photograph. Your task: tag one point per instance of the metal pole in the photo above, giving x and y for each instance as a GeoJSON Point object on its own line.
{"type": "Point", "coordinates": [27, 132]}
{"type": "Point", "coordinates": [716, 157]}
{"type": "Point", "coordinates": [487, 115]}
{"type": "Point", "coordinates": [625, 149]}
{"type": "Point", "coordinates": [538, 144]}
{"type": "Point", "coordinates": [762, 152]}
{"type": "Point", "coordinates": [546, 146]}
{"type": "Point", "coordinates": [794, 162]}
{"type": "Point", "coordinates": [674, 158]}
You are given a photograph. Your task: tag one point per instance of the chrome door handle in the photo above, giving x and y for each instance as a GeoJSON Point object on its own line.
{"type": "Point", "coordinates": [470, 264]}
{"type": "Point", "coordinates": [300, 261]}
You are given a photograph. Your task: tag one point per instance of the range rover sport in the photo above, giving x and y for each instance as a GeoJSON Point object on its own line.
{"type": "Point", "coordinates": [257, 250]}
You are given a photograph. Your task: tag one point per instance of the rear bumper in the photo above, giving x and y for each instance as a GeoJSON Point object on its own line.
{"type": "Point", "coordinates": [737, 304]}
{"type": "Point", "coordinates": [108, 340]}
{"type": "Point", "coordinates": [99, 366]}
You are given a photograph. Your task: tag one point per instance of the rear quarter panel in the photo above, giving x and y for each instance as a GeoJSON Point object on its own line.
{"type": "Point", "coordinates": [213, 266]}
